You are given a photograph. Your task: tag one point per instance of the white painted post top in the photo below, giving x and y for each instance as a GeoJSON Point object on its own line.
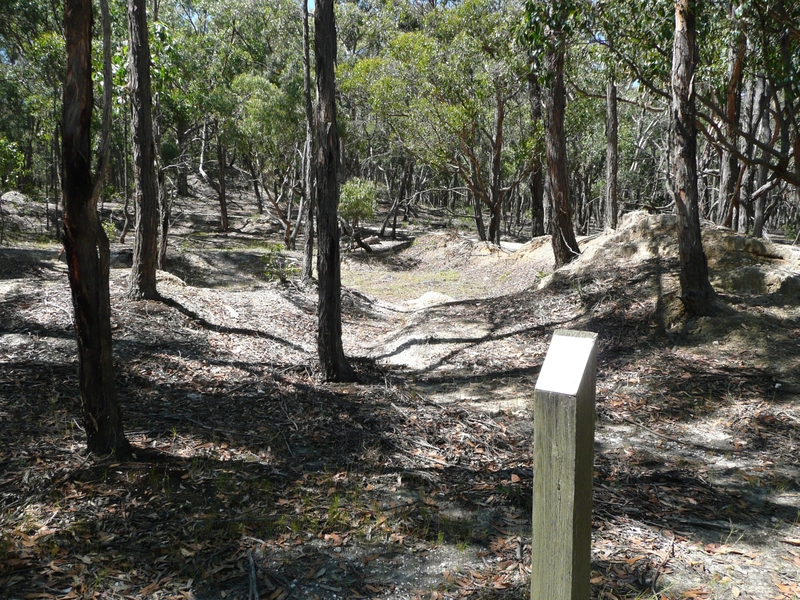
{"type": "Point", "coordinates": [565, 362]}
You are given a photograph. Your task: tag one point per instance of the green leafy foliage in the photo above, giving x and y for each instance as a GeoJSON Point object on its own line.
{"type": "Point", "coordinates": [12, 164]}
{"type": "Point", "coordinates": [111, 230]}
{"type": "Point", "coordinates": [358, 199]}
{"type": "Point", "coordinates": [277, 265]}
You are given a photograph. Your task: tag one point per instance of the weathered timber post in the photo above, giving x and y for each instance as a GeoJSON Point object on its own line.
{"type": "Point", "coordinates": [563, 457]}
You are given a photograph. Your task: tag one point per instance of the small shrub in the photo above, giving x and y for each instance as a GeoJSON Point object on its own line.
{"type": "Point", "coordinates": [278, 266]}
{"type": "Point", "coordinates": [111, 230]}
{"type": "Point", "coordinates": [790, 231]}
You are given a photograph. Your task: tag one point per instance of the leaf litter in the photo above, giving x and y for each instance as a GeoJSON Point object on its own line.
{"type": "Point", "coordinates": [254, 479]}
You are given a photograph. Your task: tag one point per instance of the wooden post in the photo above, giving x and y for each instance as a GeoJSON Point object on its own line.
{"type": "Point", "coordinates": [563, 457]}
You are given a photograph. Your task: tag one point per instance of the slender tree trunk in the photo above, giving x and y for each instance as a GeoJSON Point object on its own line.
{"type": "Point", "coordinates": [126, 206]}
{"type": "Point", "coordinates": [164, 213]}
{"type": "Point", "coordinates": [222, 157]}
{"type": "Point", "coordinates": [565, 246]}
{"type": "Point", "coordinates": [405, 184]}
{"type": "Point", "coordinates": [308, 166]}
{"type": "Point", "coordinates": [329, 310]}
{"type": "Point", "coordinates": [759, 203]}
{"type": "Point", "coordinates": [536, 184]}
{"type": "Point", "coordinates": [696, 292]}
{"type": "Point", "coordinates": [536, 181]}
{"type": "Point", "coordinates": [255, 179]}
{"type": "Point", "coordinates": [145, 244]}
{"type": "Point", "coordinates": [496, 190]}
{"type": "Point", "coordinates": [86, 244]}
{"type": "Point", "coordinates": [182, 179]}
{"type": "Point", "coordinates": [611, 153]}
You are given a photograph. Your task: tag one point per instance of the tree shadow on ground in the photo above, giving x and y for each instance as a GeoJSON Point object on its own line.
{"type": "Point", "coordinates": [16, 263]}
{"type": "Point", "coordinates": [329, 490]}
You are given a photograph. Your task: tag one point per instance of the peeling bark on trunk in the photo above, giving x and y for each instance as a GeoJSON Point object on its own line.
{"type": "Point", "coordinates": [565, 246]}
{"type": "Point", "coordinates": [329, 310]}
{"type": "Point", "coordinates": [145, 244]}
{"type": "Point", "coordinates": [697, 294]}
{"type": "Point", "coordinates": [86, 244]}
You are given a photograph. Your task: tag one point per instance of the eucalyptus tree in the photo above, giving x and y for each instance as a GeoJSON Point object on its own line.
{"type": "Point", "coordinates": [85, 242]}
{"type": "Point", "coordinates": [268, 130]}
{"type": "Point", "coordinates": [329, 307]}
{"type": "Point", "coordinates": [308, 150]}
{"type": "Point", "coordinates": [547, 27]}
{"type": "Point", "coordinates": [745, 88]}
{"type": "Point", "coordinates": [31, 78]}
{"type": "Point", "coordinates": [142, 283]}
{"type": "Point", "coordinates": [449, 94]}
{"type": "Point", "coordinates": [697, 294]}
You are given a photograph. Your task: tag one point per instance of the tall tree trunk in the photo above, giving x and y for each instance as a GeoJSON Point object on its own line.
{"type": "Point", "coordinates": [759, 203]}
{"type": "Point", "coordinates": [329, 310]}
{"type": "Point", "coordinates": [86, 244]}
{"type": "Point", "coordinates": [496, 190]}
{"type": "Point", "coordinates": [729, 166]}
{"type": "Point", "coordinates": [536, 181]}
{"type": "Point", "coordinates": [565, 246]}
{"type": "Point", "coordinates": [611, 153]}
{"type": "Point", "coordinates": [145, 244]}
{"type": "Point", "coordinates": [308, 166]}
{"type": "Point", "coordinates": [696, 292]}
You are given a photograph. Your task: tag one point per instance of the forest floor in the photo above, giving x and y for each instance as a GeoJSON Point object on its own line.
{"type": "Point", "coordinates": [253, 477]}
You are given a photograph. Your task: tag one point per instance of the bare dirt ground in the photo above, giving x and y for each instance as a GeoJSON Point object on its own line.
{"type": "Point", "coordinates": [253, 476]}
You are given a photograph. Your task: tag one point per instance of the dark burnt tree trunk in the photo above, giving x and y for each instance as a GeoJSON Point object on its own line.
{"type": "Point", "coordinates": [536, 184]}
{"type": "Point", "coordinates": [86, 244]}
{"type": "Point", "coordinates": [565, 246]}
{"type": "Point", "coordinates": [329, 310]}
{"type": "Point", "coordinates": [611, 153]}
{"type": "Point", "coordinates": [145, 193]}
{"type": "Point", "coordinates": [536, 180]}
{"type": "Point", "coordinates": [308, 165]}
{"type": "Point", "coordinates": [696, 292]}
